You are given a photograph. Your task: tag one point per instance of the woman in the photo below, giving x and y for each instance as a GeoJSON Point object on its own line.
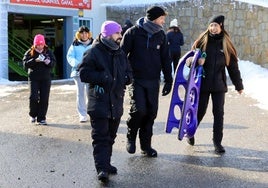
{"type": "Point", "coordinates": [82, 42]}
{"type": "Point", "coordinates": [221, 54]}
{"type": "Point", "coordinates": [39, 60]}
{"type": "Point", "coordinates": [175, 41]}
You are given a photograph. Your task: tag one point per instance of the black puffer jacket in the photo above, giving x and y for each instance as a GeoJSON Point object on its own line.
{"type": "Point", "coordinates": [110, 70]}
{"type": "Point", "coordinates": [148, 55]}
{"type": "Point", "coordinates": [39, 70]}
{"type": "Point", "coordinates": [214, 79]}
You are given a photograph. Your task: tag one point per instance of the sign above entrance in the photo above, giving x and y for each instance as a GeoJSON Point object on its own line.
{"type": "Point", "coordinates": [80, 4]}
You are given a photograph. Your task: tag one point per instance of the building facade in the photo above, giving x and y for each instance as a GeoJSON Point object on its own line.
{"type": "Point", "coordinates": [57, 20]}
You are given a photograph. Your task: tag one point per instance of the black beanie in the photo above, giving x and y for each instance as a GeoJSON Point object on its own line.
{"type": "Point", "coordinates": [83, 29]}
{"type": "Point", "coordinates": [218, 19]}
{"type": "Point", "coordinates": [155, 12]}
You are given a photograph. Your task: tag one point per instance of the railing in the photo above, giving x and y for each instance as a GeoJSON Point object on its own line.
{"type": "Point", "coordinates": [17, 68]}
{"type": "Point", "coordinates": [16, 49]}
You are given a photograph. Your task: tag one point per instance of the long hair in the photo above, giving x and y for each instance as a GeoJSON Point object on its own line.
{"type": "Point", "coordinates": [174, 29]}
{"type": "Point", "coordinates": [32, 52]}
{"type": "Point", "coordinates": [228, 47]}
{"type": "Point", "coordinates": [77, 35]}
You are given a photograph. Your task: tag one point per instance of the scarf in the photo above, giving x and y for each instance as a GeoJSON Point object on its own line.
{"type": "Point", "coordinates": [85, 43]}
{"type": "Point", "coordinates": [109, 43]}
{"type": "Point", "coordinates": [149, 26]}
{"type": "Point", "coordinates": [216, 36]}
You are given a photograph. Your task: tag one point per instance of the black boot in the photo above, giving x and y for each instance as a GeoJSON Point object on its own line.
{"type": "Point", "coordinates": [131, 140]}
{"type": "Point", "coordinates": [217, 138]}
{"type": "Point", "coordinates": [103, 176]}
{"type": "Point", "coordinates": [218, 147]}
{"type": "Point", "coordinates": [112, 170]}
{"type": "Point", "coordinates": [190, 141]}
{"type": "Point", "coordinates": [146, 148]}
{"type": "Point", "coordinates": [131, 146]}
{"type": "Point", "coordinates": [150, 152]}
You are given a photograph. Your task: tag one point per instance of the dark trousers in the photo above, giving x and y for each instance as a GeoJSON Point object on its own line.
{"type": "Point", "coordinates": [144, 107]}
{"type": "Point", "coordinates": [175, 57]}
{"type": "Point", "coordinates": [103, 135]}
{"type": "Point", "coordinates": [218, 99]}
{"type": "Point", "coordinates": [39, 97]}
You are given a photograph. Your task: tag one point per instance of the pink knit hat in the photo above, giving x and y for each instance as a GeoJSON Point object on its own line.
{"type": "Point", "coordinates": [110, 27]}
{"type": "Point", "coordinates": [39, 40]}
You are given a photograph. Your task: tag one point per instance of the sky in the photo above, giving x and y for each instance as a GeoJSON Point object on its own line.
{"type": "Point", "coordinates": [255, 77]}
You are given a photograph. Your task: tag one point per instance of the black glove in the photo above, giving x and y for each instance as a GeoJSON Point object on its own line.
{"type": "Point", "coordinates": [166, 89]}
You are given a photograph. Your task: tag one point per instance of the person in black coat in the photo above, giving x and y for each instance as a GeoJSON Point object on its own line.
{"type": "Point", "coordinates": [175, 41]}
{"type": "Point", "coordinates": [39, 60]}
{"type": "Point", "coordinates": [147, 50]}
{"type": "Point", "coordinates": [105, 67]}
{"type": "Point", "coordinates": [128, 24]}
{"type": "Point", "coordinates": [221, 54]}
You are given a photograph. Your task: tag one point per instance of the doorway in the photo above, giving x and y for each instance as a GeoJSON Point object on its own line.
{"type": "Point", "coordinates": [21, 30]}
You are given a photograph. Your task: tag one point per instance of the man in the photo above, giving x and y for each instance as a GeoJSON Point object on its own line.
{"type": "Point", "coordinates": [147, 50]}
{"type": "Point", "coordinates": [105, 67]}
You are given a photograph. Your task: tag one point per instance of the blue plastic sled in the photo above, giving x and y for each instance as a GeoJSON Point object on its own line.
{"type": "Point", "coordinates": [183, 110]}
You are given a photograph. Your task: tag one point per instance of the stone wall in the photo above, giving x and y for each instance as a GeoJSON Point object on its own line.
{"type": "Point", "coordinates": [247, 24]}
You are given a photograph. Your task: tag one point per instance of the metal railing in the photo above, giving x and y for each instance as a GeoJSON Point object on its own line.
{"type": "Point", "coordinates": [16, 49]}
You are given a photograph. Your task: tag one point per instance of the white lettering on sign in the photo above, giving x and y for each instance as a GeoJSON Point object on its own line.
{"type": "Point", "coordinates": [34, 1]}
{"type": "Point", "coordinates": [86, 4]}
{"type": "Point", "coordinates": [67, 2]}
{"type": "Point", "coordinates": [51, 1]}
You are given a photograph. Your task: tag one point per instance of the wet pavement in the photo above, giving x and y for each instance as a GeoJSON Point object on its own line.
{"type": "Point", "coordinates": [60, 154]}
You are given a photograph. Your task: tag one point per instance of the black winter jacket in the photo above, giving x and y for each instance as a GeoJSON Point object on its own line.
{"type": "Point", "coordinates": [39, 70]}
{"type": "Point", "coordinates": [175, 41]}
{"type": "Point", "coordinates": [110, 70]}
{"type": "Point", "coordinates": [148, 55]}
{"type": "Point", "coordinates": [214, 79]}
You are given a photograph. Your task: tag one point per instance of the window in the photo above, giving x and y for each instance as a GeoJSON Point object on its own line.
{"type": "Point", "coordinates": [86, 22]}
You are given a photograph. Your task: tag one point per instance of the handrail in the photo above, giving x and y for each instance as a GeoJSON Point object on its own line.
{"type": "Point", "coordinates": [19, 42]}
{"type": "Point", "coordinates": [17, 68]}
{"type": "Point", "coordinates": [16, 50]}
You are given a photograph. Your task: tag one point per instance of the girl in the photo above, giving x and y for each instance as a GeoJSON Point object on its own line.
{"type": "Point", "coordinates": [221, 54]}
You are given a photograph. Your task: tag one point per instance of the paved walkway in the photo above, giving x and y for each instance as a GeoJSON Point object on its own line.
{"type": "Point", "coordinates": [60, 154]}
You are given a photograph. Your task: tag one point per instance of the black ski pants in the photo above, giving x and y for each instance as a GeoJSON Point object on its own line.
{"type": "Point", "coordinates": [218, 99]}
{"type": "Point", "coordinates": [175, 57]}
{"type": "Point", "coordinates": [103, 133]}
{"type": "Point", "coordinates": [39, 97]}
{"type": "Point", "coordinates": [144, 106]}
